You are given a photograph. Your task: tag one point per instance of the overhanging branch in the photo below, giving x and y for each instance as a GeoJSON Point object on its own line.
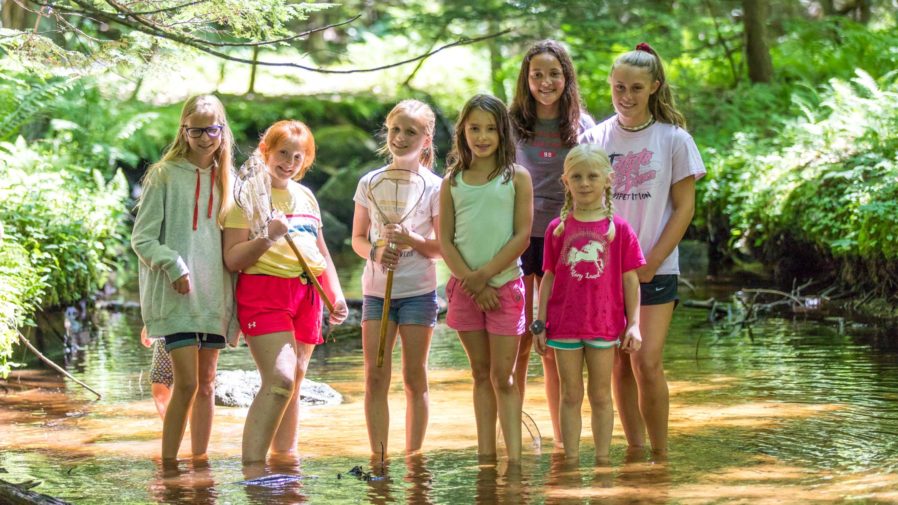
{"type": "Point", "coordinates": [138, 21]}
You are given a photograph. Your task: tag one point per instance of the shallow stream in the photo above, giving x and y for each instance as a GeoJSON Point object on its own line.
{"type": "Point", "coordinates": [800, 411]}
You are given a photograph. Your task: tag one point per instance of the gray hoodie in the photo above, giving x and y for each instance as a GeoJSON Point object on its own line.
{"type": "Point", "coordinates": [168, 246]}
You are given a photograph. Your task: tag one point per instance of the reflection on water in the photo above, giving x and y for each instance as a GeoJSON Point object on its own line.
{"type": "Point", "coordinates": [801, 413]}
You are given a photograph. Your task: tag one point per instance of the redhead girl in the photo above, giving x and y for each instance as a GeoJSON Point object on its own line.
{"type": "Point", "coordinates": [278, 307]}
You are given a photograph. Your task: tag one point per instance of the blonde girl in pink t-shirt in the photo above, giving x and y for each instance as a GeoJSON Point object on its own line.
{"type": "Point", "coordinates": [589, 297]}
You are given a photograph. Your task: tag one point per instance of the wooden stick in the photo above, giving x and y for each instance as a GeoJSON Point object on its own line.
{"type": "Point", "coordinates": [385, 320]}
{"type": "Point", "coordinates": [54, 365]}
{"type": "Point", "coordinates": [308, 272]}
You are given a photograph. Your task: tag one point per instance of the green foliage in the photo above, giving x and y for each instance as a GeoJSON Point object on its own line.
{"type": "Point", "coordinates": [828, 180]}
{"type": "Point", "coordinates": [20, 289]}
{"type": "Point", "coordinates": [62, 233]}
{"type": "Point", "coordinates": [21, 100]}
{"type": "Point", "coordinates": [99, 36]}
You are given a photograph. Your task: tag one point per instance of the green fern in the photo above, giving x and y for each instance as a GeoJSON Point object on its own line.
{"type": "Point", "coordinates": [37, 100]}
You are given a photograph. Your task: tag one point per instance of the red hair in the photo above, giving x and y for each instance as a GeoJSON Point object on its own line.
{"type": "Point", "coordinates": [287, 128]}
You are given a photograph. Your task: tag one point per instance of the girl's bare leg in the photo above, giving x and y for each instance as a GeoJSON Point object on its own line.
{"type": "Point", "coordinates": [626, 396]}
{"type": "Point", "coordinates": [570, 374]}
{"type": "Point", "coordinates": [275, 356]}
{"type": "Point", "coordinates": [477, 346]}
{"type": "Point", "coordinates": [377, 385]}
{"type": "Point", "coordinates": [654, 397]}
{"type": "Point", "coordinates": [531, 287]}
{"type": "Point", "coordinates": [599, 363]}
{"type": "Point", "coordinates": [204, 404]}
{"type": "Point", "coordinates": [503, 354]}
{"type": "Point", "coordinates": [185, 361]}
{"type": "Point", "coordinates": [286, 437]}
{"type": "Point", "coordinates": [415, 350]}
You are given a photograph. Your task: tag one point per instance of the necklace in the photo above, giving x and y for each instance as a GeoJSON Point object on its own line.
{"type": "Point", "coordinates": [643, 126]}
{"type": "Point", "coordinates": [588, 209]}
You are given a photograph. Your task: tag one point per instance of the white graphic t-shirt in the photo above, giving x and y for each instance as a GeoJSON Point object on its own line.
{"type": "Point", "coordinates": [646, 164]}
{"type": "Point", "coordinates": [415, 274]}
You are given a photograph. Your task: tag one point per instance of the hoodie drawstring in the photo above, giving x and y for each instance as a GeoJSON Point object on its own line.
{"type": "Point", "coordinates": [196, 197]}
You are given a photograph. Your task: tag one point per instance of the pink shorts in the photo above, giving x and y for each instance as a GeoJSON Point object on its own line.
{"type": "Point", "coordinates": [268, 304]}
{"type": "Point", "coordinates": [465, 315]}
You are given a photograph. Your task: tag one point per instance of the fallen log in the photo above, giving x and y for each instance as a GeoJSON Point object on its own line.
{"type": "Point", "coordinates": [15, 494]}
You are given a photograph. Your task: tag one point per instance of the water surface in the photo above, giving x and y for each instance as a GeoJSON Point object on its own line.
{"type": "Point", "coordinates": [797, 412]}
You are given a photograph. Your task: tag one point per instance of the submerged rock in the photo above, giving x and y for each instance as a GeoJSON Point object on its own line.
{"type": "Point", "coordinates": [237, 388]}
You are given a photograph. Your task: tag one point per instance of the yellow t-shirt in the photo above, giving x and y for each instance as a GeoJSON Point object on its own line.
{"type": "Point", "coordinates": [299, 206]}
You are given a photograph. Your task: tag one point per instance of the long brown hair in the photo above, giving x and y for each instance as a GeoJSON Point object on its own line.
{"type": "Point", "coordinates": [661, 102]}
{"type": "Point", "coordinates": [420, 109]}
{"type": "Point", "coordinates": [523, 106]}
{"type": "Point", "coordinates": [461, 157]}
{"type": "Point", "coordinates": [222, 159]}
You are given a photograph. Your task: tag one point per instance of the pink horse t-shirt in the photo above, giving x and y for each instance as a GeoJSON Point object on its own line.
{"type": "Point", "coordinates": [587, 299]}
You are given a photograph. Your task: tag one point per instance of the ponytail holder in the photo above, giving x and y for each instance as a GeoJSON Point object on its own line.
{"type": "Point", "coordinates": [642, 46]}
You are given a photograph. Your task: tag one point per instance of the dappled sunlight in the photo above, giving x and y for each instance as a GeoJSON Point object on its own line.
{"type": "Point", "coordinates": [749, 415]}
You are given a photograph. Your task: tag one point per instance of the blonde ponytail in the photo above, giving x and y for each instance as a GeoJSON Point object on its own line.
{"type": "Point", "coordinates": [609, 213]}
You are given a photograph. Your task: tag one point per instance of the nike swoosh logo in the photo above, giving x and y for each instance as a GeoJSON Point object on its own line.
{"type": "Point", "coordinates": [659, 288]}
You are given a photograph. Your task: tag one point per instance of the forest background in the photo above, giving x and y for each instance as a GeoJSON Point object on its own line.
{"type": "Point", "coordinates": [793, 104]}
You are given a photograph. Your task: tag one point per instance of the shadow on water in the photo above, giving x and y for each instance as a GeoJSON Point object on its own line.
{"type": "Point", "coordinates": [800, 413]}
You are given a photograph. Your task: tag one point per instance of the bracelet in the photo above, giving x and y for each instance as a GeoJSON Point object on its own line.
{"type": "Point", "coordinates": [373, 254]}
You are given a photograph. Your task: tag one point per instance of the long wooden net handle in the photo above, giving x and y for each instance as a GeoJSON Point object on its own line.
{"type": "Point", "coordinates": [308, 272]}
{"type": "Point", "coordinates": [384, 320]}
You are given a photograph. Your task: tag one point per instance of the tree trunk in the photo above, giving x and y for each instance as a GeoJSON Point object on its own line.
{"type": "Point", "coordinates": [496, 64]}
{"type": "Point", "coordinates": [863, 8]}
{"type": "Point", "coordinates": [760, 67]}
{"type": "Point", "coordinates": [252, 72]}
{"type": "Point", "coordinates": [15, 17]}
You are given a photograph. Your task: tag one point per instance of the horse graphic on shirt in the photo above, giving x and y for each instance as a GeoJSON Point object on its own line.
{"type": "Point", "coordinates": [592, 253]}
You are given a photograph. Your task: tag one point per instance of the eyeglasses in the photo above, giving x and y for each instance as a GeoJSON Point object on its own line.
{"type": "Point", "coordinates": [212, 131]}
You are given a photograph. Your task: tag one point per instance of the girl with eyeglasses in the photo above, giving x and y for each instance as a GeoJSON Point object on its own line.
{"type": "Point", "coordinates": [186, 293]}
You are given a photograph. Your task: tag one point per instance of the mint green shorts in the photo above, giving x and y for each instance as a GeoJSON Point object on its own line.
{"type": "Point", "coordinates": [595, 343]}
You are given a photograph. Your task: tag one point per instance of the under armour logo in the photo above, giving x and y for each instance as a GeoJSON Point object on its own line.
{"type": "Point", "coordinates": [251, 325]}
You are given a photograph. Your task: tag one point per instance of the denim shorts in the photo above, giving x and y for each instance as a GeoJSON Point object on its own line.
{"type": "Point", "coordinates": [421, 309]}
{"type": "Point", "coordinates": [201, 340]}
{"type": "Point", "coordinates": [660, 290]}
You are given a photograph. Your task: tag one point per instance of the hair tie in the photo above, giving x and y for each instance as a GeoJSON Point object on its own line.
{"type": "Point", "coordinates": [642, 46]}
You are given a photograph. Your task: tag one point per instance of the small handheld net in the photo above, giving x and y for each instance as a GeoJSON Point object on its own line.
{"type": "Point", "coordinates": [252, 193]}
{"type": "Point", "coordinates": [394, 194]}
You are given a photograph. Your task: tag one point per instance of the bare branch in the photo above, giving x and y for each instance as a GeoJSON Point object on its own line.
{"type": "Point", "coordinates": [290, 38]}
{"type": "Point", "coordinates": [135, 21]}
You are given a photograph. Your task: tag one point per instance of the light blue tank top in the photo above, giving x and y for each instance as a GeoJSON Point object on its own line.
{"type": "Point", "coordinates": [484, 223]}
